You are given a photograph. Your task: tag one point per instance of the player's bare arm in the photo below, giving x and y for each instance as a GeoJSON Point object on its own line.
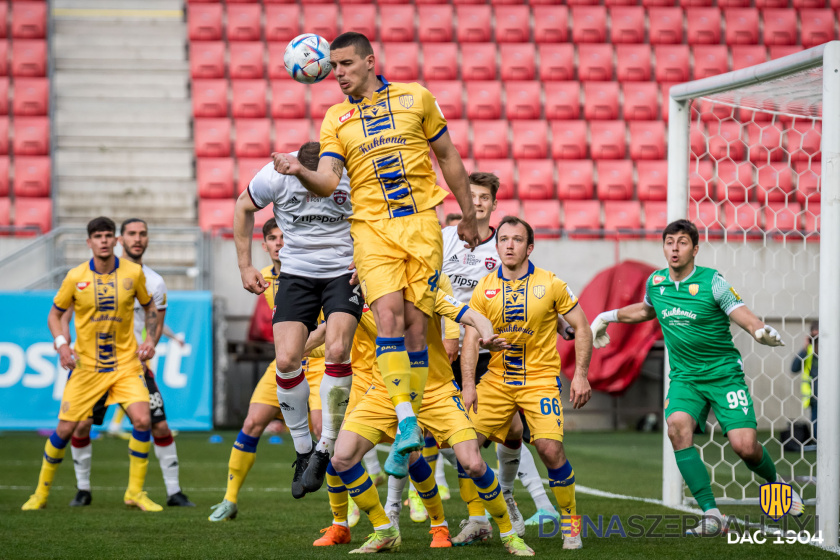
{"type": "Point", "coordinates": [487, 339]}
{"type": "Point", "coordinates": [172, 335]}
{"type": "Point", "coordinates": [763, 334]}
{"type": "Point", "coordinates": [580, 392]}
{"type": "Point", "coordinates": [469, 360]}
{"type": "Point", "coordinates": [458, 180]}
{"type": "Point", "coordinates": [635, 313]}
{"type": "Point", "coordinates": [322, 182]}
{"type": "Point", "coordinates": [564, 330]}
{"type": "Point", "coordinates": [55, 322]}
{"type": "Point", "coordinates": [316, 339]}
{"type": "Point", "coordinates": [146, 350]}
{"type": "Point", "coordinates": [243, 230]}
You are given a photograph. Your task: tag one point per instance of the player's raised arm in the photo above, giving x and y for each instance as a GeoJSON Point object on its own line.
{"type": "Point", "coordinates": [243, 230]}
{"type": "Point", "coordinates": [322, 182]}
{"type": "Point", "coordinates": [458, 180]}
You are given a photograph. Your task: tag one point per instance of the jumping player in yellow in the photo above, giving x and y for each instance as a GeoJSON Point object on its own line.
{"type": "Point", "coordinates": [522, 302]}
{"type": "Point", "coordinates": [106, 357]}
{"type": "Point", "coordinates": [381, 134]}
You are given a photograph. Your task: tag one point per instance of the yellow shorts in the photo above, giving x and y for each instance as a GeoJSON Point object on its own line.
{"type": "Point", "coordinates": [266, 390]}
{"type": "Point", "coordinates": [357, 391]}
{"type": "Point", "coordinates": [497, 403]}
{"type": "Point", "coordinates": [125, 386]}
{"type": "Point", "coordinates": [442, 414]}
{"type": "Point", "coordinates": [314, 372]}
{"type": "Point", "coordinates": [398, 254]}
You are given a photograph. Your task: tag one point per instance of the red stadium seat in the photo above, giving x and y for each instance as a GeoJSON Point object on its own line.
{"type": "Point", "coordinates": [490, 139]}
{"type": "Point", "coordinates": [600, 100]}
{"type": "Point", "coordinates": [808, 4]}
{"type": "Point", "coordinates": [620, 2]}
{"type": "Point", "coordinates": [282, 22]}
{"type": "Point", "coordinates": [703, 26]}
{"type": "Point", "coordinates": [817, 27]}
{"type": "Point", "coordinates": [253, 138]}
{"type": "Point", "coordinates": [562, 100]}
{"type": "Point", "coordinates": [34, 212]}
{"type": "Point", "coordinates": [647, 140]}
{"type": "Point", "coordinates": [607, 139]}
{"type": "Point", "coordinates": [207, 60]}
{"type": "Point", "coordinates": [4, 187]}
{"type": "Point", "coordinates": [449, 95]}
{"type": "Point", "coordinates": [249, 98]}
{"type": "Point", "coordinates": [247, 168]}
{"type": "Point", "coordinates": [243, 22]}
{"type": "Point", "coordinates": [396, 24]}
{"type": "Point", "coordinates": [4, 58]}
{"type": "Point", "coordinates": [803, 141]}
{"type": "Point", "coordinates": [741, 26]}
{"type": "Point", "coordinates": [706, 216]}
{"type": "Point", "coordinates": [484, 100]}
{"type": "Point", "coordinates": [569, 140]}
{"type": "Point", "coordinates": [633, 63]}
{"type": "Point", "coordinates": [30, 96]}
{"type": "Point", "coordinates": [210, 98]}
{"type": "Point", "coordinates": [513, 24]}
{"type": "Point", "coordinates": [359, 19]}
{"type": "Point", "coordinates": [734, 181]}
{"type": "Point", "coordinates": [725, 141]}
{"type": "Point", "coordinates": [288, 99]}
{"type": "Point", "coordinates": [530, 139]}
{"type": "Point", "coordinates": [666, 25]}
{"type": "Point", "coordinates": [212, 137]}
{"type": "Point", "coordinates": [506, 208]}
{"type": "Point", "coordinates": [696, 3]}
{"type": "Point", "coordinates": [435, 23]}
{"type": "Point", "coordinates": [323, 96]}
{"type": "Point", "coordinates": [653, 180]}
{"type": "Point", "coordinates": [204, 22]}
{"type": "Point", "coordinates": [583, 216]}
{"type": "Point", "coordinates": [697, 140]}
{"type": "Point", "coordinates": [656, 218]}
{"type": "Point", "coordinates": [29, 58]}
{"type": "Point", "coordinates": [557, 62]}
{"type": "Point", "coordinates": [214, 177]}
{"type": "Point", "coordinates": [710, 60]}
{"type": "Point", "coordinates": [246, 60]}
{"type": "Point", "coordinates": [782, 217]}
{"type": "Point", "coordinates": [778, 51]}
{"type": "Point", "coordinates": [747, 55]}
{"type": "Point", "coordinates": [641, 101]}
{"type": "Point", "coordinates": [503, 169]}
{"type": "Point", "coordinates": [402, 61]}
{"type": "Point", "coordinates": [321, 20]}
{"type": "Point", "coordinates": [765, 143]}
{"type": "Point", "coordinates": [276, 66]}
{"type": "Point", "coordinates": [771, 4]}
{"type": "Point", "coordinates": [214, 215]}
{"type": "Point", "coordinates": [4, 135]}
{"type": "Point", "coordinates": [31, 136]}
{"type": "Point", "coordinates": [628, 24]}
{"type": "Point", "coordinates": [779, 27]}
{"type": "Point", "coordinates": [657, 3]}
{"type": "Point", "coordinates": [291, 134]}
{"type": "Point", "coordinates": [595, 63]}
{"type": "Point", "coordinates": [523, 100]}
{"type": "Point", "coordinates": [615, 179]}
{"type": "Point", "coordinates": [473, 24]}
{"type": "Point", "coordinates": [459, 132]}
{"type": "Point", "coordinates": [551, 24]}
{"type": "Point", "coordinates": [5, 203]}
{"type": "Point", "coordinates": [4, 21]}
{"type": "Point", "coordinates": [701, 179]}
{"type": "Point", "coordinates": [742, 218]}
{"type": "Point", "coordinates": [665, 88]}
{"type": "Point", "coordinates": [808, 181]}
{"type": "Point", "coordinates": [812, 222]}
{"type": "Point", "coordinates": [671, 63]}
{"type": "Point", "coordinates": [575, 179]}
{"type": "Point", "coordinates": [734, 3]}
{"type": "Point", "coordinates": [622, 218]}
{"type": "Point", "coordinates": [536, 179]}
{"type": "Point", "coordinates": [440, 61]}
{"type": "Point", "coordinates": [544, 217]}
{"type": "Point", "coordinates": [775, 182]}
{"type": "Point", "coordinates": [589, 24]}
{"type": "Point", "coordinates": [478, 62]}
{"type": "Point", "coordinates": [32, 176]}
{"type": "Point", "coordinates": [518, 61]}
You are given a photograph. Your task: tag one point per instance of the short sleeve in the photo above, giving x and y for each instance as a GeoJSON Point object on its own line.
{"type": "Point", "coordinates": [564, 298]}
{"type": "Point", "coordinates": [260, 189]}
{"type": "Point", "coordinates": [647, 300]}
{"type": "Point", "coordinates": [445, 303]}
{"type": "Point", "coordinates": [477, 301]}
{"type": "Point", "coordinates": [160, 295]}
{"type": "Point", "coordinates": [725, 295]}
{"type": "Point", "coordinates": [140, 291]}
{"type": "Point", "coordinates": [330, 144]}
{"type": "Point", "coordinates": [64, 298]}
{"type": "Point", "coordinates": [434, 123]}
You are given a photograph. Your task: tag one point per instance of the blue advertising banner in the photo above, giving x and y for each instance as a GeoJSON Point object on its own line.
{"type": "Point", "coordinates": [32, 381]}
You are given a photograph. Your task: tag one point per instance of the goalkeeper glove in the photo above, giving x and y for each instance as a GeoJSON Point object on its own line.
{"type": "Point", "coordinates": [600, 338]}
{"type": "Point", "coordinates": [768, 336]}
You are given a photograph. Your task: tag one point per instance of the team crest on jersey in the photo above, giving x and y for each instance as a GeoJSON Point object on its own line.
{"type": "Point", "coordinates": [490, 294]}
{"type": "Point", "coordinates": [407, 100]}
{"type": "Point", "coordinates": [340, 197]}
{"type": "Point", "coordinates": [489, 263]}
{"type": "Point", "coordinates": [658, 279]}
{"type": "Point", "coordinates": [365, 308]}
{"type": "Point", "coordinates": [82, 285]}
{"type": "Point", "coordinates": [343, 118]}
{"type": "Point", "coordinates": [539, 291]}
{"type": "Point", "coordinates": [693, 289]}
{"type": "Point", "coordinates": [128, 283]}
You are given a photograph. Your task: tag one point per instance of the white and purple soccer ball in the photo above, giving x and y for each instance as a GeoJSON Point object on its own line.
{"type": "Point", "coordinates": [307, 58]}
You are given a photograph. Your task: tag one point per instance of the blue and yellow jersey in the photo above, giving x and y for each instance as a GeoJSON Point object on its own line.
{"type": "Point", "coordinates": [524, 312]}
{"type": "Point", "coordinates": [384, 144]}
{"type": "Point", "coordinates": [104, 308]}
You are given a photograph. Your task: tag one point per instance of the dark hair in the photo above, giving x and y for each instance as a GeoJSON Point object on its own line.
{"type": "Point", "coordinates": [101, 224]}
{"type": "Point", "coordinates": [486, 180]}
{"type": "Point", "coordinates": [453, 216]}
{"type": "Point", "coordinates": [682, 226]}
{"type": "Point", "coordinates": [815, 325]}
{"type": "Point", "coordinates": [513, 220]}
{"type": "Point", "coordinates": [308, 155]}
{"type": "Point", "coordinates": [269, 225]}
{"type": "Point", "coordinates": [132, 221]}
{"type": "Point", "coordinates": [356, 40]}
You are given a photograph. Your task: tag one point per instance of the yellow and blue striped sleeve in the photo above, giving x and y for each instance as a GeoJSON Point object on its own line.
{"type": "Point", "coordinates": [331, 146]}
{"type": "Point", "coordinates": [434, 123]}
{"type": "Point", "coordinates": [64, 298]}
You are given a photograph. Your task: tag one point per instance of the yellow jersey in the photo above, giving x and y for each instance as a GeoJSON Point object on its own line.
{"type": "Point", "coordinates": [270, 293]}
{"type": "Point", "coordinates": [104, 308]}
{"type": "Point", "coordinates": [384, 144]}
{"type": "Point", "coordinates": [524, 312]}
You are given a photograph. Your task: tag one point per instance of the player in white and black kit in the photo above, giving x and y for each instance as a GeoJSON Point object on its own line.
{"type": "Point", "coordinates": [317, 257]}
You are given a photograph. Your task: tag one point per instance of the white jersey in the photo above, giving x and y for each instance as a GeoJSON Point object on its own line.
{"type": "Point", "coordinates": [315, 229]}
{"type": "Point", "coordinates": [157, 289]}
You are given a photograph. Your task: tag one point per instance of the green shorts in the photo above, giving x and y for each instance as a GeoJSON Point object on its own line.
{"type": "Point", "coordinates": [728, 397]}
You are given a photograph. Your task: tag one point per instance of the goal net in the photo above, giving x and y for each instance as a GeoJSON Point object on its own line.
{"type": "Point", "coordinates": [752, 162]}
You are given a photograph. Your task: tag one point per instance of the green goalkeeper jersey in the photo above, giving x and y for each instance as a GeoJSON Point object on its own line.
{"type": "Point", "coordinates": [694, 315]}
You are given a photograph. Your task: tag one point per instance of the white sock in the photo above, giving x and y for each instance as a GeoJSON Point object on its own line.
{"type": "Point", "coordinates": [449, 454]}
{"type": "Point", "coordinates": [372, 465]}
{"type": "Point", "coordinates": [404, 410]}
{"type": "Point", "coordinates": [508, 466]}
{"type": "Point", "coordinates": [294, 403]}
{"type": "Point", "coordinates": [395, 493]}
{"type": "Point", "coordinates": [480, 519]}
{"type": "Point", "coordinates": [168, 458]}
{"type": "Point", "coordinates": [714, 512]}
{"type": "Point", "coordinates": [530, 478]}
{"type": "Point", "coordinates": [440, 473]}
{"type": "Point", "coordinates": [335, 394]}
{"type": "Point", "coordinates": [82, 457]}
{"type": "Point", "coordinates": [342, 523]}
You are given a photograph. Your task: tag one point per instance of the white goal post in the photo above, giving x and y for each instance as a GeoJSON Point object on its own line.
{"type": "Point", "coordinates": [779, 102]}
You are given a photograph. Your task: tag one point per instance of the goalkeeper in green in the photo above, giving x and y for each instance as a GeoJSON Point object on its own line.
{"type": "Point", "coordinates": [694, 305]}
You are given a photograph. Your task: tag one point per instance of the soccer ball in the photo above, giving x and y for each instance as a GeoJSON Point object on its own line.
{"type": "Point", "coordinates": [307, 58]}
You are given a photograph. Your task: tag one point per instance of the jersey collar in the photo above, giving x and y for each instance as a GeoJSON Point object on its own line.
{"type": "Point", "coordinates": [677, 284]}
{"type": "Point", "coordinates": [116, 265]}
{"type": "Point", "coordinates": [489, 237]}
{"type": "Point", "coordinates": [530, 271]}
{"type": "Point", "coordinates": [385, 84]}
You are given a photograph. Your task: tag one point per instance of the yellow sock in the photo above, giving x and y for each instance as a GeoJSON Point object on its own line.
{"type": "Point", "coordinates": [242, 458]}
{"type": "Point", "coordinates": [431, 452]}
{"type": "Point", "coordinates": [337, 493]}
{"type": "Point", "coordinates": [491, 495]}
{"type": "Point", "coordinates": [119, 414]}
{"type": "Point", "coordinates": [423, 478]}
{"type": "Point", "coordinates": [138, 459]}
{"type": "Point", "coordinates": [53, 455]}
{"type": "Point", "coordinates": [393, 362]}
{"type": "Point", "coordinates": [562, 483]}
{"type": "Point", "coordinates": [419, 373]}
{"type": "Point", "coordinates": [469, 493]}
{"type": "Point", "coordinates": [364, 493]}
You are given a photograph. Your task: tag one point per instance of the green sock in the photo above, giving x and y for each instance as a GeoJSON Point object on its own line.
{"type": "Point", "coordinates": [765, 468]}
{"type": "Point", "coordinates": [696, 476]}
